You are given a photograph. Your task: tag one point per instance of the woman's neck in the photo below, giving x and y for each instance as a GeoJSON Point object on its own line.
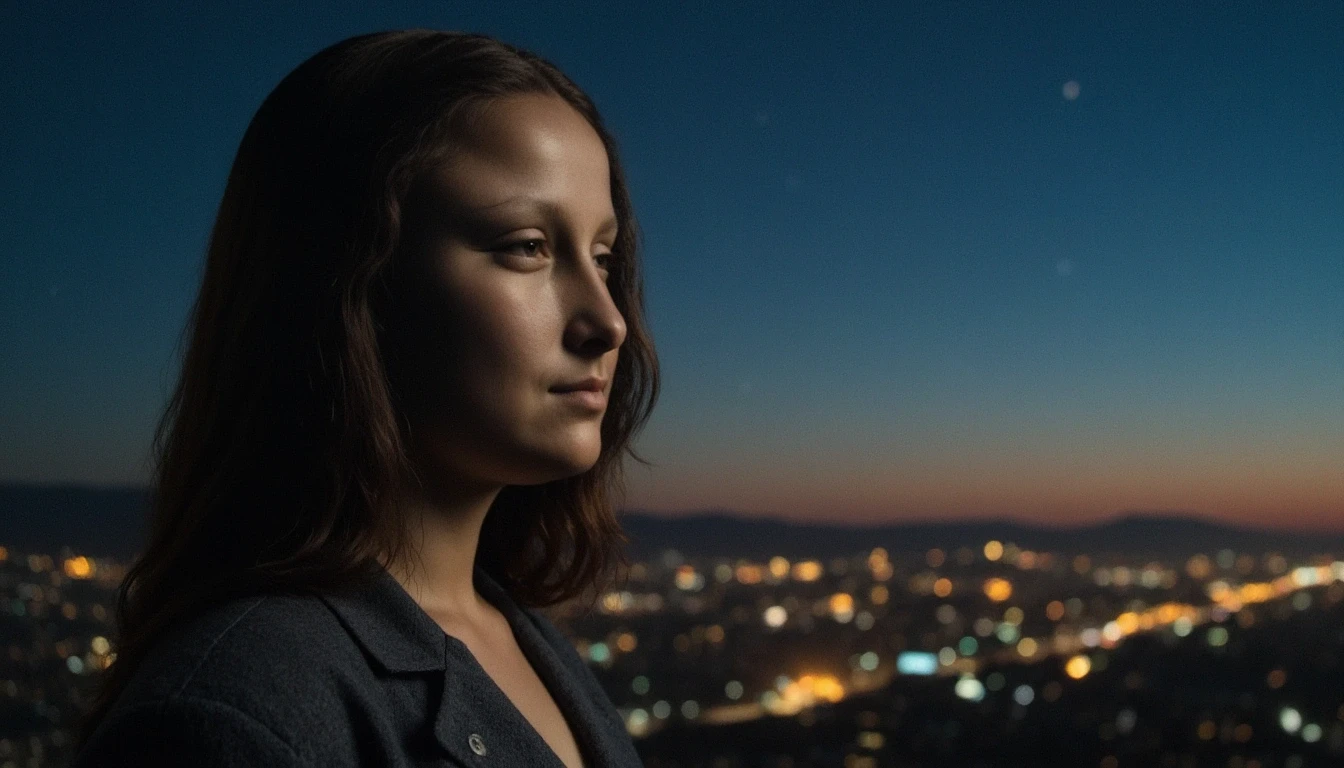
{"type": "Point", "coordinates": [438, 567]}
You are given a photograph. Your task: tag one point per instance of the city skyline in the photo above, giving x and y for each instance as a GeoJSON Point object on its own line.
{"type": "Point", "coordinates": [988, 654]}
{"type": "Point", "coordinates": [1050, 264]}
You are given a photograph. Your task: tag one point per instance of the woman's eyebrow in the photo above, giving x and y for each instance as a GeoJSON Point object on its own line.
{"type": "Point", "coordinates": [547, 208]}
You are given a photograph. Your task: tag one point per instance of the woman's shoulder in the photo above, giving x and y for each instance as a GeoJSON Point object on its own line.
{"type": "Point", "coordinates": [251, 677]}
{"type": "Point", "coordinates": [562, 642]}
{"type": "Point", "coordinates": [238, 648]}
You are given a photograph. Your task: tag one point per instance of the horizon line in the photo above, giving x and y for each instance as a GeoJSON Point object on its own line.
{"type": "Point", "coordinates": [1119, 516]}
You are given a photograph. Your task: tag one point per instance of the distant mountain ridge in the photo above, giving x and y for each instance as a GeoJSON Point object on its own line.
{"type": "Point", "coordinates": [91, 520]}
{"type": "Point", "coordinates": [110, 521]}
{"type": "Point", "coordinates": [722, 534]}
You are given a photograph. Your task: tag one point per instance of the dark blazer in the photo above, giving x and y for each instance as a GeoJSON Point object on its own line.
{"type": "Point", "coordinates": [364, 678]}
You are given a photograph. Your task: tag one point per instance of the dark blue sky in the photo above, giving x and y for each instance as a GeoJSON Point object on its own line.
{"type": "Point", "coordinates": [893, 271]}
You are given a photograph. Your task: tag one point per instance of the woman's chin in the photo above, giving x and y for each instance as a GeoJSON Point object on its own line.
{"type": "Point", "coordinates": [557, 465]}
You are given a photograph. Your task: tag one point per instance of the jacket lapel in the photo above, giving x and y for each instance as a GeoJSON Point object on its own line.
{"type": "Point", "coordinates": [600, 731]}
{"type": "Point", "coordinates": [477, 723]}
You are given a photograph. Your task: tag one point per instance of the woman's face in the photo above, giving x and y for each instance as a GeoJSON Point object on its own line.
{"type": "Point", "coordinates": [508, 306]}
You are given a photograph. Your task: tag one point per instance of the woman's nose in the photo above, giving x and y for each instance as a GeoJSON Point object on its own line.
{"type": "Point", "coordinates": [596, 325]}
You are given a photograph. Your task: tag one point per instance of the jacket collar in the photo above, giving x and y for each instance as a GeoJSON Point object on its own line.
{"type": "Point", "coordinates": [390, 626]}
{"type": "Point", "coordinates": [397, 634]}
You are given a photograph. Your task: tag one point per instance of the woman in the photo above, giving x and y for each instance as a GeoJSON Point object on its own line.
{"type": "Point", "coordinates": [415, 364]}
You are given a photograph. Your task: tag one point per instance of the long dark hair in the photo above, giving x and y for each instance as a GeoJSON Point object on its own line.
{"type": "Point", "coordinates": [282, 456]}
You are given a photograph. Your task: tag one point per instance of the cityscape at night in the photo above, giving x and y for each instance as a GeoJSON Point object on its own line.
{"type": "Point", "coordinates": [984, 654]}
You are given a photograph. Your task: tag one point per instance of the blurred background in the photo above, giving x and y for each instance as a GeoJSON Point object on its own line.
{"type": "Point", "coordinates": [1002, 347]}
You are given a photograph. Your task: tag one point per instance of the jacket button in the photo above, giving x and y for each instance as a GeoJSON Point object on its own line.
{"type": "Point", "coordinates": [477, 744]}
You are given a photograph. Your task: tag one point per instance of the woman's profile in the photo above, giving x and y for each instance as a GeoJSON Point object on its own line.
{"type": "Point", "coordinates": [413, 371]}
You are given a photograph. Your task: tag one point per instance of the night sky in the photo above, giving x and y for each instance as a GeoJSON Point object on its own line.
{"type": "Point", "coordinates": [1049, 261]}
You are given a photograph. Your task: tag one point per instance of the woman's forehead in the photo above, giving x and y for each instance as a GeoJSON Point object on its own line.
{"type": "Point", "coordinates": [526, 140]}
{"type": "Point", "coordinates": [525, 148]}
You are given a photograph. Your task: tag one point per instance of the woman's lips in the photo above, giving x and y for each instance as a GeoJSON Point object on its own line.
{"type": "Point", "coordinates": [584, 398]}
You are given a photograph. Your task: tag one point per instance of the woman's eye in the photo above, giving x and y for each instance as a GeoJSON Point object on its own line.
{"type": "Point", "coordinates": [528, 248]}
